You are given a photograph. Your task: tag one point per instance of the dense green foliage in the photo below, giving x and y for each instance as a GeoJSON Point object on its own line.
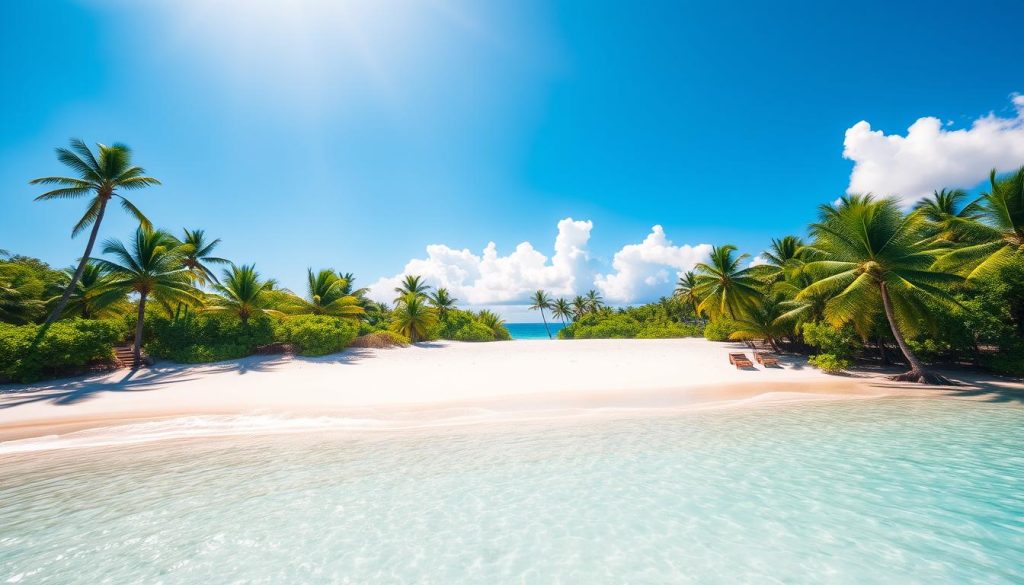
{"type": "Point", "coordinates": [68, 346]}
{"type": "Point", "coordinates": [667, 318]}
{"type": "Point", "coordinates": [207, 337]}
{"type": "Point", "coordinates": [720, 329]}
{"type": "Point", "coordinates": [318, 334]}
{"type": "Point", "coordinates": [460, 325]}
{"type": "Point", "coordinates": [829, 363]}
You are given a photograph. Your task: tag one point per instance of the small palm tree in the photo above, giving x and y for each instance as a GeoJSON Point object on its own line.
{"type": "Point", "coordinates": [493, 322]}
{"type": "Point", "coordinates": [541, 301]}
{"type": "Point", "coordinates": [242, 292]}
{"type": "Point", "coordinates": [196, 253]}
{"type": "Point", "coordinates": [873, 255]}
{"type": "Point", "coordinates": [442, 301]}
{"type": "Point", "coordinates": [412, 317]}
{"type": "Point", "coordinates": [101, 175]}
{"type": "Point", "coordinates": [150, 267]}
{"type": "Point", "coordinates": [411, 285]}
{"type": "Point", "coordinates": [761, 321]}
{"type": "Point", "coordinates": [560, 309]}
{"type": "Point", "coordinates": [1000, 231]}
{"type": "Point", "coordinates": [16, 303]}
{"type": "Point", "coordinates": [686, 290]}
{"type": "Point", "coordinates": [947, 219]}
{"type": "Point", "coordinates": [326, 296]}
{"type": "Point", "coordinates": [94, 297]}
{"type": "Point", "coordinates": [724, 287]}
{"type": "Point", "coordinates": [594, 301]}
{"type": "Point", "coordinates": [579, 306]}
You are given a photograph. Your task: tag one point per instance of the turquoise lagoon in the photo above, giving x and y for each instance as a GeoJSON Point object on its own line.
{"type": "Point", "coordinates": [533, 330]}
{"type": "Point", "coordinates": [861, 491]}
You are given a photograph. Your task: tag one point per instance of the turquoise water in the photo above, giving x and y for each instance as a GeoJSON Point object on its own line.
{"type": "Point", "coordinates": [879, 491]}
{"type": "Point", "coordinates": [533, 330]}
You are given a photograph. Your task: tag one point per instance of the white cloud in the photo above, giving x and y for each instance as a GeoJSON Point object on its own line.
{"type": "Point", "coordinates": [758, 260]}
{"type": "Point", "coordinates": [930, 157]}
{"type": "Point", "coordinates": [641, 272]}
{"type": "Point", "coordinates": [647, 270]}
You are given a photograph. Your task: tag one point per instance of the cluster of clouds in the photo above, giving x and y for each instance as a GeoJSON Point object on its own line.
{"type": "Point", "coordinates": [639, 272]}
{"type": "Point", "coordinates": [931, 156]}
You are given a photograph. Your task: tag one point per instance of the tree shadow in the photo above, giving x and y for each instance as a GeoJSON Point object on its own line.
{"type": "Point", "coordinates": [969, 385]}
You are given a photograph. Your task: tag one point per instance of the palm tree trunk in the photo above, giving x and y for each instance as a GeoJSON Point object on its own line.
{"type": "Point", "coordinates": [917, 371]}
{"type": "Point", "coordinates": [545, 322]}
{"type": "Point", "coordinates": [78, 271]}
{"type": "Point", "coordinates": [137, 349]}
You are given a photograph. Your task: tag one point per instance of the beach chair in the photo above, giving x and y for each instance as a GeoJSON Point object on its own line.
{"type": "Point", "coordinates": [766, 359]}
{"type": "Point", "coordinates": [740, 360]}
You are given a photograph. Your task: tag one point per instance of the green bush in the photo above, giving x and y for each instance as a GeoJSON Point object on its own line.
{"type": "Point", "coordinates": [840, 342]}
{"type": "Point", "coordinates": [206, 337]}
{"type": "Point", "coordinates": [602, 326]}
{"type": "Point", "coordinates": [68, 345]}
{"type": "Point", "coordinates": [829, 363]}
{"type": "Point", "coordinates": [1009, 361]}
{"type": "Point", "coordinates": [669, 330]}
{"type": "Point", "coordinates": [720, 329]}
{"type": "Point", "coordinates": [474, 331]}
{"type": "Point", "coordinates": [380, 339]}
{"type": "Point", "coordinates": [319, 334]}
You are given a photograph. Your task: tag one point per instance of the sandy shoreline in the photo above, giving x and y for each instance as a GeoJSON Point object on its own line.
{"type": "Point", "coordinates": [445, 381]}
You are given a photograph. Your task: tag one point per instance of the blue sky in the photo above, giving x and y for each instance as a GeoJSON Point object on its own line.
{"type": "Point", "coordinates": [352, 134]}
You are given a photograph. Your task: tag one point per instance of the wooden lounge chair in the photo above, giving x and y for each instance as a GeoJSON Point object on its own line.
{"type": "Point", "coordinates": [766, 359]}
{"type": "Point", "coordinates": [740, 360]}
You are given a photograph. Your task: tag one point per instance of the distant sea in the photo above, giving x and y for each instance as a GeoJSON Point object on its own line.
{"type": "Point", "coordinates": [532, 330]}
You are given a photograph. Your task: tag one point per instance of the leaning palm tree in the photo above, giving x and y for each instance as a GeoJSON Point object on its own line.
{"type": "Point", "coordinates": [197, 253]}
{"type": "Point", "coordinates": [411, 285]}
{"type": "Point", "coordinates": [412, 317]}
{"type": "Point", "coordinates": [594, 301]}
{"type": "Point", "coordinates": [541, 301]}
{"type": "Point", "coordinates": [102, 176]}
{"type": "Point", "coordinates": [873, 255]}
{"type": "Point", "coordinates": [1001, 231]}
{"type": "Point", "coordinates": [151, 266]}
{"type": "Point", "coordinates": [686, 290]}
{"type": "Point", "coordinates": [724, 287]}
{"type": "Point", "coordinates": [562, 310]}
{"type": "Point", "coordinates": [242, 292]}
{"type": "Point", "coordinates": [94, 297]}
{"type": "Point", "coordinates": [326, 296]}
{"type": "Point", "coordinates": [442, 301]}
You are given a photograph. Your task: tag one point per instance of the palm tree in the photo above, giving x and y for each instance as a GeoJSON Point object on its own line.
{"type": "Point", "coordinates": [493, 322]}
{"type": "Point", "coordinates": [947, 219]}
{"type": "Point", "coordinates": [94, 297]}
{"type": "Point", "coordinates": [686, 290]}
{"type": "Point", "coordinates": [761, 321]}
{"type": "Point", "coordinates": [594, 301]}
{"type": "Point", "coordinates": [101, 176]}
{"type": "Point", "coordinates": [326, 296]}
{"type": "Point", "coordinates": [1000, 231]}
{"type": "Point", "coordinates": [152, 266]}
{"type": "Point", "coordinates": [196, 253]}
{"type": "Point", "coordinates": [541, 301]}
{"type": "Point", "coordinates": [726, 289]}
{"type": "Point", "coordinates": [412, 285]}
{"type": "Point", "coordinates": [16, 304]}
{"type": "Point", "coordinates": [579, 306]}
{"type": "Point", "coordinates": [442, 301]}
{"type": "Point", "coordinates": [243, 293]}
{"type": "Point", "coordinates": [412, 317]}
{"type": "Point", "coordinates": [873, 254]}
{"type": "Point", "coordinates": [560, 309]}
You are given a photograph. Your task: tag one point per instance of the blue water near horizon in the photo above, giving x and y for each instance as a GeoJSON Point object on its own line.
{"type": "Point", "coordinates": [533, 330]}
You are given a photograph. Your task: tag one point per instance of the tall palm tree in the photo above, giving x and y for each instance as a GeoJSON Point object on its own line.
{"type": "Point", "coordinates": [560, 309]}
{"type": "Point", "coordinates": [579, 306]}
{"type": "Point", "coordinates": [541, 301]}
{"type": "Point", "coordinates": [411, 285]}
{"type": "Point", "coordinates": [947, 219]}
{"type": "Point", "coordinates": [442, 301]}
{"type": "Point", "coordinates": [242, 292]}
{"type": "Point", "coordinates": [724, 287]}
{"type": "Point", "coordinates": [94, 297]}
{"type": "Point", "coordinates": [102, 176]}
{"type": "Point", "coordinates": [1000, 231]}
{"type": "Point", "coordinates": [412, 317]}
{"type": "Point", "coordinates": [873, 254]}
{"type": "Point", "coordinates": [150, 266]}
{"type": "Point", "coordinates": [326, 296]}
{"type": "Point", "coordinates": [686, 290]}
{"type": "Point", "coordinates": [594, 301]}
{"type": "Point", "coordinates": [196, 253]}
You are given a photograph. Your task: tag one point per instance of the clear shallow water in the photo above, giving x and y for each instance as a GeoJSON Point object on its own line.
{"type": "Point", "coordinates": [880, 491]}
{"type": "Point", "coordinates": [533, 330]}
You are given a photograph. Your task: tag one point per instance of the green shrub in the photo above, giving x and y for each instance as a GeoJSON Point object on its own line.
{"type": "Point", "coordinates": [829, 363]}
{"type": "Point", "coordinates": [1009, 361]}
{"type": "Point", "coordinates": [669, 330]}
{"type": "Point", "coordinates": [206, 337]}
{"type": "Point", "coordinates": [602, 326]}
{"type": "Point", "coordinates": [840, 342]}
{"type": "Point", "coordinates": [720, 329]}
{"type": "Point", "coordinates": [474, 331]}
{"type": "Point", "coordinates": [380, 339]}
{"type": "Point", "coordinates": [319, 334]}
{"type": "Point", "coordinates": [68, 345]}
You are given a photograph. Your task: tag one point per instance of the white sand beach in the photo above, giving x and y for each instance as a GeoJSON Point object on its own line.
{"type": "Point", "coordinates": [443, 379]}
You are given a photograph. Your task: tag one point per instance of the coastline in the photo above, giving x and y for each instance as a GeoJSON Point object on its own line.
{"type": "Point", "coordinates": [439, 384]}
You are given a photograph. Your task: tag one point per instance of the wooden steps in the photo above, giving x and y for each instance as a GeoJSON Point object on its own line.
{"type": "Point", "coordinates": [126, 356]}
